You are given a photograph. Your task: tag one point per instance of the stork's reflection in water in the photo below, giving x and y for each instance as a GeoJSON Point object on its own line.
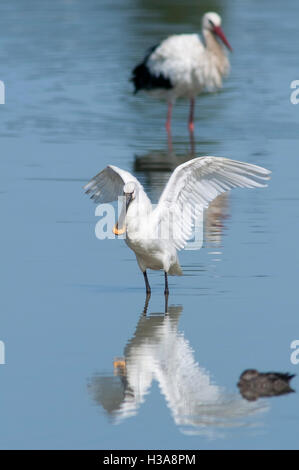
{"type": "Point", "coordinates": [159, 352]}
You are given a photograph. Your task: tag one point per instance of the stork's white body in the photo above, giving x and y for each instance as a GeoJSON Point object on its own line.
{"type": "Point", "coordinates": [191, 66]}
{"type": "Point", "coordinates": [184, 65]}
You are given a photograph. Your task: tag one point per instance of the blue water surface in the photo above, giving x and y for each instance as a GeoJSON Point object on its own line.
{"type": "Point", "coordinates": [84, 368]}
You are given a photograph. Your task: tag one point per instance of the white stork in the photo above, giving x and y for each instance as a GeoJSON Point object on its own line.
{"type": "Point", "coordinates": [183, 66]}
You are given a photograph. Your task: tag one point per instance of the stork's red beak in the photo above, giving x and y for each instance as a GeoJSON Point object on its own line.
{"type": "Point", "coordinates": [218, 30]}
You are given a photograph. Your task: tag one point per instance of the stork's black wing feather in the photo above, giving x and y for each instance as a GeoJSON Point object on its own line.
{"type": "Point", "coordinates": [143, 79]}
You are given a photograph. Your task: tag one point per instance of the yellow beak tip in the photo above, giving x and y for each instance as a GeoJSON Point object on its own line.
{"type": "Point", "coordinates": [118, 231]}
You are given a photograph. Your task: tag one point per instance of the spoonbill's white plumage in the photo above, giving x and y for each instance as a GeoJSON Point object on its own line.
{"type": "Point", "coordinates": [183, 66]}
{"type": "Point", "coordinates": [155, 234]}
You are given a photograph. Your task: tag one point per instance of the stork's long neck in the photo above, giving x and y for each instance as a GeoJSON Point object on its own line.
{"type": "Point", "coordinates": [216, 50]}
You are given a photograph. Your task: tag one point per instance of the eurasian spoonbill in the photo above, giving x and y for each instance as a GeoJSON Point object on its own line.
{"type": "Point", "coordinates": [155, 234]}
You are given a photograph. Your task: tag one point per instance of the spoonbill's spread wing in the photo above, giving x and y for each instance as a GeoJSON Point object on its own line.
{"type": "Point", "coordinates": [194, 184]}
{"type": "Point", "coordinates": [108, 185]}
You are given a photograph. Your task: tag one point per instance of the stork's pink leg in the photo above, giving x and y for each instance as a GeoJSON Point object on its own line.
{"type": "Point", "coordinates": [169, 114]}
{"type": "Point", "coordinates": [191, 115]}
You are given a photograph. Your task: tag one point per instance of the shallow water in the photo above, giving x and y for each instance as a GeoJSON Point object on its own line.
{"type": "Point", "coordinates": [71, 305]}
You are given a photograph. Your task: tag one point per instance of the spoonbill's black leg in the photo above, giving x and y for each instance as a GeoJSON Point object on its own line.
{"type": "Point", "coordinates": [166, 291]}
{"type": "Point", "coordinates": [147, 286]}
{"type": "Point", "coordinates": [166, 304]}
{"type": "Point", "coordinates": [148, 296]}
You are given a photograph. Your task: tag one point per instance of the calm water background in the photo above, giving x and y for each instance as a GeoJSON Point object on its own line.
{"type": "Point", "coordinates": [70, 304]}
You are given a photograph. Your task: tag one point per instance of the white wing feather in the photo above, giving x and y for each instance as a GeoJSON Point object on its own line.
{"type": "Point", "coordinates": [108, 185]}
{"type": "Point", "coordinates": [194, 184]}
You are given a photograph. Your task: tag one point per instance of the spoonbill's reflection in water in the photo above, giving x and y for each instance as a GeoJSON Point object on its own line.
{"type": "Point", "coordinates": [159, 352]}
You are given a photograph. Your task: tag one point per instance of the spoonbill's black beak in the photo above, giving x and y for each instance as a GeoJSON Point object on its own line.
{"type": "Point", "coordinates": [120, 227]}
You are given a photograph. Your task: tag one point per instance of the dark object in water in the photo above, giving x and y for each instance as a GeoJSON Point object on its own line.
{"type": "Point", "coordinates": [143, 79]}
{"type": "Point", "coordinates": [253, 384]}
